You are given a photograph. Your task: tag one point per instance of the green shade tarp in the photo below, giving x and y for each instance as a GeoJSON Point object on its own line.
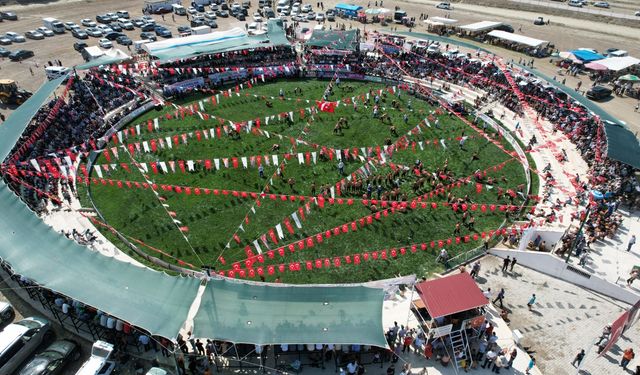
{"type": "Point", "coordinates": [334, 39]}
{"type": "Point", "coordinates": [263, 314]}
{"type": "Point", "coordinates": [149, 299]}
{"type": "Point", "coordinates": [17, 121]}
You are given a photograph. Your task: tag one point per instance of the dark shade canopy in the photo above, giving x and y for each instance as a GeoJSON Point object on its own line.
{"type": "Point", "coordinates": [450, 295]}
{"type": "Point", "coordinates": [256, 313]}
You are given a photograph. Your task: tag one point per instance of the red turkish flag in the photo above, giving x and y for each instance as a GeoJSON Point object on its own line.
{"type": "Point", "coordinates": [327, 106]}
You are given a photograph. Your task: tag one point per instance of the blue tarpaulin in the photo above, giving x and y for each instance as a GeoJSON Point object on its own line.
{"type": "Point", "coordinates": [348, 9]}
{"type": "Point", "coordinates": [587, 55]}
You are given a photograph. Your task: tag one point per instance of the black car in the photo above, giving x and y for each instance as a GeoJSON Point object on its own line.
{"type": "Point", "coordinates": [184, 29]}
{"type": "Point", "coordinates": [197, 22]}
{"type": "Point", "coordinates": [124, 40]}
{"type": "Point", "coordinates": [113, 35]}
{"type": "Point", "coordinates": [20, 55]}
{"type": "Point", "coordinates": [241, 17]}
{"type": "Point", "coordinates": [53, 359]}
{"type": "Point", "coordinates": [505, 27]}
{"type": "Point", "coordinates": [79, 46]}
{"type": "Point", "coordinates": [599, 93]}
{"type": "Point", "coordinates": [223, 13]}
{"type": "Point", "coordinates": [199, 7]}
{"type": "Point", "coordinates": [11, 16]}
{"type": "Point", "coordinates": [148, 36]}
{"type": "Point", "coordinates": [4, 52]}
{"type": "Point", "coordinates": [212, 24]}
{"type": "Point", "coordinates": [148, 27]}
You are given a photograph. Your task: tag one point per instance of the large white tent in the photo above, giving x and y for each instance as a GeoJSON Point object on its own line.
{"type": "Point", "coordinates": [520, 39]}
{"type": "Point", "coordinates": [618, 63]}
{"type": "Point", "coordinates": [481, 26]}
{"type": "Point", "coordinates": [201, 40]}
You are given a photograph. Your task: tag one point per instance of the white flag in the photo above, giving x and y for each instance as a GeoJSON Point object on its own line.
{"type": "Point", "coordinates": [279, 231]}
{"type": "Point", "coordinates": [294, 216]}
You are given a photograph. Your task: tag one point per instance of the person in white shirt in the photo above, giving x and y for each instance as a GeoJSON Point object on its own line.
{"type": "Point", "coordinates": [487, 293]}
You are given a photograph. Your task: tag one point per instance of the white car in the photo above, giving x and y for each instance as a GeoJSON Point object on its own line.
{"type": "Point", "coordinates": [601, 4]}
{"type": "Point", "coordinates": [257, 17]}
{"type": "Point", "coordinates": [88, 22]}
{"type": "Point", "coordinates": [46, 32]}
{"type": "Point", "coordinates": [15, 37]}
{"type": "Point", "coordinates": [94, 32]}
{"type": "Point", "coordinates": [306, 8]}
{"type": "Point", "coordinates": [127, 25]}
{"type": "Point", "coordinates": [69, 25]}
{"type": "Point", "coordinates": [210, 15]}
{"type": "Point", "coordinates": [192, 10]}
{"type": "Point", "coordinates": [320, 17]}
{"type": "Point", "coordinates": [105, 29]}
{"type": "Point", "coordinates": [105, 43]}
{"type": "Point", "coordinates": [446, 6]}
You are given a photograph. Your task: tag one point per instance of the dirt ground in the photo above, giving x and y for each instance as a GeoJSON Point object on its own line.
{"type": "Point", "coordinates": [565, 32]}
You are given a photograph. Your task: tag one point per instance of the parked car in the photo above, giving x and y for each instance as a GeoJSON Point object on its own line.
{"type": "Point", "coordinates": [4, 41]}
{"type": "Point", "coordinates": [88, 23]}
{"type": "Point", "coordinates": [446, 6]}
{"type": "Point", "coordinates": [210, 15]}
{"type": "Point", "coordinates": [123, 14]}
{"type": "Point", "coordinates": [103, 18]}
{"type": "Point", "coordinates": [20, 339]}
{"type": "Point", "coordinates": [184, 30]}
{"type": "Point", "coordinates": [637, 13]}
{"type": "Point", "coordinates": [105, 43]}
{"type": "Point", "coordinates": [124, 40]}
{"type": "Point", "coordinates": [80, 34]}
{"type": "Point", "coordinates": [148, 27]}
{"type": "Point", "coordinates": [311, 16]}
{"type": "Point", "coordinates": [505, 27]}
{"type": "Point", "coordinates": [212, 24]}
{"type": "Point", "coordinates": [94, 32]}
{"type": "Point", "coordinates": [115, 26]}
{"type": "Point", "coordinates": [79, 46]}
{"type": "Point", "coordinates": [33, 34]}
{"type": "Point", "coordinates": [163, 32]}
{"type": "Point", "coordinates": [195, 22]}
{"type": "Point", "coordinates": [113, 35]}
{"type": "Point", "coordinates": [53, 359]}
{"type": "Point", "coordinates": [69, 25]}
{"type": "Point", "coordinates": [45, 31]}
{"type": "Point", "coordinates": [127, 25]}
{"type": "Point", "coordinates": [148, 36]}
{"type": "Point", "coordinates": [137, 22]}
{"type": "Point", "coordinates": [601, 4]}
{"type": "Point", "coordinates": [306, 8]}
{"type": "Point", "coordinates": [20, 55]}
{"type": "Point", "coordinates": [223, 13]}
{"type": "Point", "coordinates": [11, 16]}
{"type": "Point", "coordinates": [105, 29]}
{"type": "Point", "coordinates": [7, 313]}
{"type": "Point", "coordinates": [15, 37]}
{"type": "Point", "coordinates": [320, 17]}
{"type": "Point", "coordinates": [599, 93]}
{"type": "Point", "coordinates": [4, 53]}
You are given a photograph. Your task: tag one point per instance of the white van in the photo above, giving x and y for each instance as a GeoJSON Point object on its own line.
{"type": "Point", "coordinates": [98, 363]}
{"type": "Point", "coordinates": [54, 72]}
{"type": "Point", "coordinates": [179, 10]}
{"type": "Point", "coordinates": [20, 339]}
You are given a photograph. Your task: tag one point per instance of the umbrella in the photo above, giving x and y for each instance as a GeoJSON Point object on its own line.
{"type": "Point", "coordinates": [595, 66]}
{"type": "Point", "coordinates": [629, 77]}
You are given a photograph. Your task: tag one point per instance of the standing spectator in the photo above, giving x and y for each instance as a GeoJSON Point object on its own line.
{"type": "Point", "coordinates": [627, 356]}
{"type": "Point", "coordinates": [505, 264]}
{"type": "Point", "coordinates": [488, 361]}
{"type": "Point", "coordinates": [475, 269]}
{"type": "Point", "coordinates": [512, 357]}
{"type": "Point", "coordinates": [578, 358]}
{"type": "Point", "coordinates": [632, 242]}
{"type": "Point", "coordinates": [513, 263]}
{"type": "Point", "coordinates": [531, 302]}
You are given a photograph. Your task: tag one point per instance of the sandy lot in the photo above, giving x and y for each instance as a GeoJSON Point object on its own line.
{"type": "Point", "coordinates": [564, 32]}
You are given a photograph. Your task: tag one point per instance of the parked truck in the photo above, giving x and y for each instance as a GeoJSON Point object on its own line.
{"type": "Point", "coordinates": [53, 25]}
{"type": "Point", "coordinates": [98, 363]}
{"type": "Point", "coordinates": [159, 6]}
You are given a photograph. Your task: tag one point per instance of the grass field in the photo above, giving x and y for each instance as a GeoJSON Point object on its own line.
{"type": "Point", "coordinates": [213, 219]}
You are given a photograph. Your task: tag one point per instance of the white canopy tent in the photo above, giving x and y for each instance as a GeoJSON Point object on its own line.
{"type": "Point", "coordinates": [208, 39]}
{"type": "Point", "coordinates": [442, 20]}
{"type": "Point", "coordinates": [618, 63]}
{"type": "Point", "coordinates": [481, 26]}
{"type": "Point", "coordinates": [520, 39]}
